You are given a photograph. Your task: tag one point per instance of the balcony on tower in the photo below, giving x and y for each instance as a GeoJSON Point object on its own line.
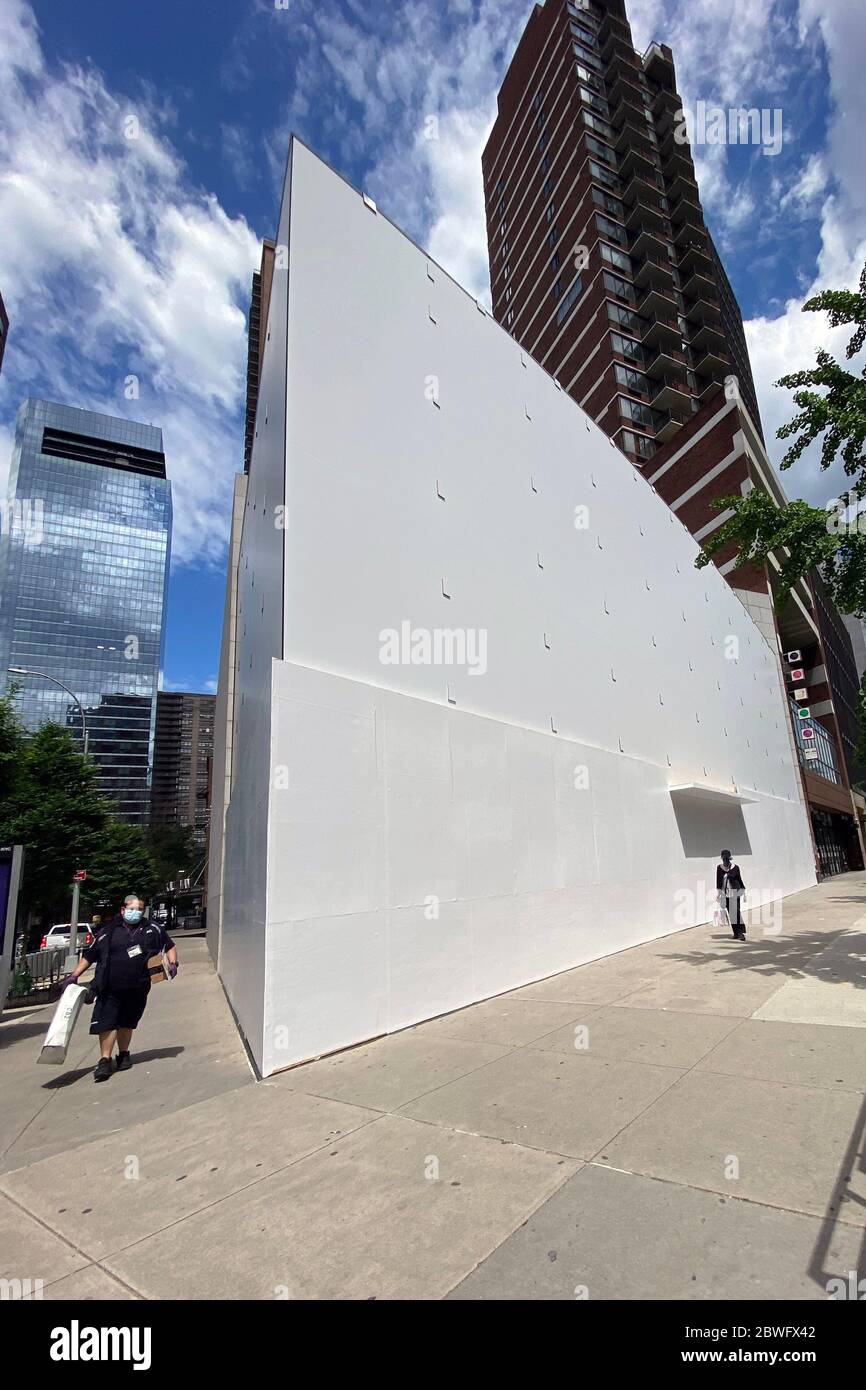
{"type": "Point", "coordinates": [670, 393]}
{"type": "Point", "coordinates": [651, 238]}
{"type": "Point", "coordinates": [653, 267]}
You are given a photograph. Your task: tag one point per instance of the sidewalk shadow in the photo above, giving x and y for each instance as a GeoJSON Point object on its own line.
{"type": "Point", "coordinates": [16, 1032]}
{"type": "Point", "coordinates": [153, 1054]}
{"type": "Point", "coordinates": [853, 1161]}
{"type": "Point", "coordinates": [801, 957]}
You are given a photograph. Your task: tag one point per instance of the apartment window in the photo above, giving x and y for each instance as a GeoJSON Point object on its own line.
{"type": "Point", "coordinates": [584, 35]}
{"type": "Point", "coordinates": [611, 229]}
{"type": "Point", "coordinates": [614, 257]}
{"type": "Point", "coordinates": [557, 287]}
{"type": "Point", "coordinates": [569, 302]}
{"type": "Point", "coordinates": [552, 237]}
{"type": "Point", "coordinates": [585, 75]}
{"type": "Point", "coordinates": [548, 187]}
{"type": "Point", "coordinates": [503, 228]}
{"type": "Point", "coordinates": [633, 381]}
{"type": "Point", "coordinates": [541, 119]}
{"type": "Point", "coordinates": [616, 285]}
{"type": "Point", "coordinates": [551, 211]}
{"type": "Point", "coordinates": [603, 151]}
{"type": "Point", "coordinates": [501, 208]}
{"type": "Point", "coordinates": [545, 164]}
{"type": "Point", "coordinates": [624, 318]}
{"type": "Point", "coordinates": [506, 271]}
{"type": "Point", "coordinates": [542, 143]}
{"type": "Point", "coordinates": [587, 57]}
{"type": "Point", "coordinates": [597, 104]}
{"type": "Point", "coordinates": [604, 200]}
{"type": "Point", "coordinates": [500, 184]}
{"type": "Point", "coordinates": [505, 246]}
{"type": "Point", "coordinates": [627, 347]}
{"type": "Point", "coordinates": [596, 124]}
{"type": "Point", "coordinates": [638, 445]}
{"type": "Point", "coordinates": [638, 413]}
{"type": "Point", "coordinates": [555, 261]}
{"type": "Point", "coordinates": [604, 176]}
{"type": "Point", "coordinates": [509, 317]}
{"type": "Point", "coordinates": [507, 293]}
{"type": "Point", "coordinates": [537, 100]}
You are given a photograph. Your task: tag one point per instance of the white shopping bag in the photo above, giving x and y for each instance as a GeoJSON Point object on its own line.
{"type": "Point", "coordinates": [59, 1034]}
{"type": "Point", "coordinates": [721, 917]}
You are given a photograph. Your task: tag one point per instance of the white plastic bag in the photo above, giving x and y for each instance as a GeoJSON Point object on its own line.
{"type": "Point", "coordinates": [59, 1034]}
{"type": "Point", "coordinates": [721, 916]}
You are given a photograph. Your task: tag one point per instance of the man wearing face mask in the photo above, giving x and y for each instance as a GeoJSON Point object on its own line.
{"type": "Point", "coordinates": [121, 953]}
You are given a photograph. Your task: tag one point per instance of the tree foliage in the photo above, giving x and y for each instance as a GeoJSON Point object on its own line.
{"type": "Point", "coordinates": [51, 804]}
{"type": "Point", "coordinates": [173, 851]}
{"type": "Point", "coordinates": [831, 403]}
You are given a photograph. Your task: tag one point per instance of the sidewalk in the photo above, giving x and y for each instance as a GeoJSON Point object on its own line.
{"type": "Point", "coordinates": [706, 1140]}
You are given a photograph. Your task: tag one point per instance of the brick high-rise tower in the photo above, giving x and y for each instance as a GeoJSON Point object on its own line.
{"type": "Point", "coordinates": [601, 264]}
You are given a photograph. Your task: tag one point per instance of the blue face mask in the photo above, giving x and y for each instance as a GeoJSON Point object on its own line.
{"type": "Point", "coordinates": [131, 915]}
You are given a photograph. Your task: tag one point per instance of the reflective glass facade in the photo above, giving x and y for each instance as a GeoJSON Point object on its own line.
{"type": "Point", "coordinates": [83, 575]}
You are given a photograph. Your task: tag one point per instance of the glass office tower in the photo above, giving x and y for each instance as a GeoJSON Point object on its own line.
{"type": "Point", "coordinates": [83, 568]}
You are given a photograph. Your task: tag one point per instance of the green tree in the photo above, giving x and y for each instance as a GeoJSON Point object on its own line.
{"type": "Point", "coordinates": [831, 403]}
{"type": "Point", "coordinates": [173, 851]}
{"type": "Point", "coordinates": [57, 814]}
{"type": "Point", "coordinates": [120, 863]}
{"type": "Point", "coordinates": [11, 758]}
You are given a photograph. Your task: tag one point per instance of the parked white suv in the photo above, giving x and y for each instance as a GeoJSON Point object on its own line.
{"type": "Point", "coordinates": [58, 936]}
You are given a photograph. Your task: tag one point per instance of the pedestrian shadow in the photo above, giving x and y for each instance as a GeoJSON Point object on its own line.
{"type": "Point", "coordinates": [152, 1054]}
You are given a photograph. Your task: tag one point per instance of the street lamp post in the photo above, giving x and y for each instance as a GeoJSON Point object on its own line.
{"type": "Point", "coordinates": [72, 957]}
{"type": "Point", "coordinates": [25, 671]}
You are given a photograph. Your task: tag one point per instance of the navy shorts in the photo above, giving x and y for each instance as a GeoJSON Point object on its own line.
{"type": "Point", "coordinates": [119, 1008]}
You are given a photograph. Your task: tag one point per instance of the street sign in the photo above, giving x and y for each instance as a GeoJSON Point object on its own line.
{"type": "Point", "coordinates": [794, 657]}
{"type": "Point", "coordinates": [798, 675]}
{"type": "Point", "coordinates": [79, 876]}
{"type": "Point", "coordinates": [801, 694]}
{"type": "Point", "coordinates": [810, 752]}
{"type": "Point", "coordinates": [807, 731]}
{"type": "Point", "coordinates": [804, 713]}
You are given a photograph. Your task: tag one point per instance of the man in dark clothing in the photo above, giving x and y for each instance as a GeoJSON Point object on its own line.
{"type": "Point", "coordinates": [121, 953]}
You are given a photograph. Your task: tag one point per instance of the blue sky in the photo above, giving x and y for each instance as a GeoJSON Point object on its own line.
{"type": "Point", "coordinates": [124, 255]}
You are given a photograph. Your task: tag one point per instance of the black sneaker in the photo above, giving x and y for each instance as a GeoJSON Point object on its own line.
{"type": "Point", "coordinates": [124, 1061]}
{"type": "Point", "coordinates": [102, 1070]}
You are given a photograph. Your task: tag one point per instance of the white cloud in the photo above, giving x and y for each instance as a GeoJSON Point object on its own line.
{"type": "Point", "coordinates": [789, 342]}
{"type": "Point", "coordinates": [112, 265]}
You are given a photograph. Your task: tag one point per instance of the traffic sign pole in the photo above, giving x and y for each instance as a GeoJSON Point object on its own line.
{"type": "Point", "coordinates": [72, 959]}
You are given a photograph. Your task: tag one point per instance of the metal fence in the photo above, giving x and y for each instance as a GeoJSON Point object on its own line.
{"type": "Point", "coordinates": [34, 975]}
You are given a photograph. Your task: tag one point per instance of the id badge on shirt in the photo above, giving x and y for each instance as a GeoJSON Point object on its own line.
{"type": "Point", "coordinates": [134, 951]}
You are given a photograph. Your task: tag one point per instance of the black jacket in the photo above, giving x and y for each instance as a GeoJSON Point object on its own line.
{"type": "Point", "coordinates": [735, 882]}
{"type": "Point", "coordinates": [147, 934]}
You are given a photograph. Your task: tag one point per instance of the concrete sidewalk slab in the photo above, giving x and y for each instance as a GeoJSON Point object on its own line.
{"type": "Point", "coordinates": [364, 1219]}
{"type": "Point", "coordinates": [392, 1071]}
{"type": "Point", "coordinates": [565, 1105]}
{"type": "Point", "coordinates": [638, 1035]}
{"type": "Point", "coordinates": [155, 1174]}
{"type": "Point", "coordinates": [788, 1141]}
{"type": "Point", "coordinates": [29, 1250]}
{"type": "Point", "coordinates": [624, 1237]}
{"type": "Point", "coordinates": [505, 1020]}
{"type": "Point", "coordinates": [795, 1054]}
{"type": "Point", "coordinates": [92, 1284]}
